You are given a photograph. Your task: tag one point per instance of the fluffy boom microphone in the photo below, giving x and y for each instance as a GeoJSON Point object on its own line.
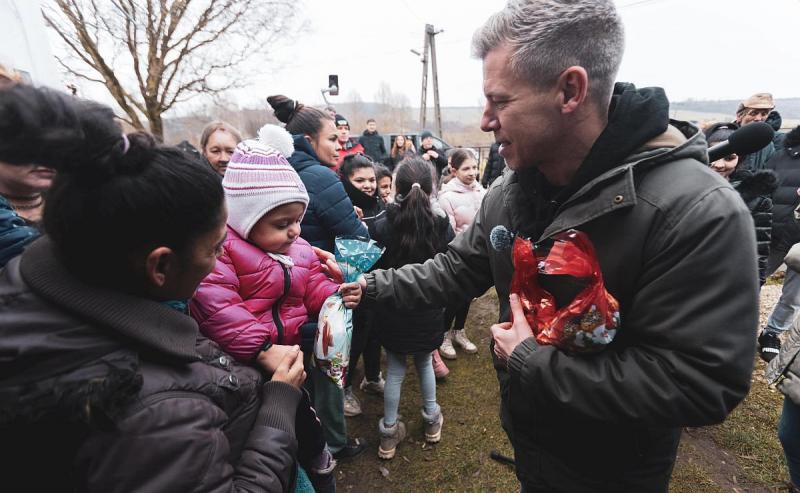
{"type": "Point", "coordinates": [748, 139]}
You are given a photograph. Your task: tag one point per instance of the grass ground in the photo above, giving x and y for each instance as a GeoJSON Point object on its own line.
{"type": "Point", "coordinates": [740, 455]}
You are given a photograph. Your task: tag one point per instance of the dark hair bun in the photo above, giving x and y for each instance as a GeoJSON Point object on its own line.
{"type": "Point", "coordinates": [283, 107]}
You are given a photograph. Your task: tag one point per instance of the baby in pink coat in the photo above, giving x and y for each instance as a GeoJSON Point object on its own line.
{"type": "Point", "coordinates": [267, 281]}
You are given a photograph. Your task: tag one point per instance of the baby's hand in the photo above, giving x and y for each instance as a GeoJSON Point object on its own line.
{"type": "Point", "coordinates": [351, 293]}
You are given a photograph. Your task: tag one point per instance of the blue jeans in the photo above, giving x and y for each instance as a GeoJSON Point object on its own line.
{"type": "Point", "coordinates": [396, 372]}
{"type": "Point", "coordinates": [788, 307]}
{"type": "Point", "coordinates": [789, 434]}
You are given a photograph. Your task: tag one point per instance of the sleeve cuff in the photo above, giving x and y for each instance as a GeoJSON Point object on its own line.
{"type": "Point", "coordinates": [517, 360]}
{"type": "Point", "coordinates": [279, 402]}
{"type": "Point", "coordinates": [371, 293]}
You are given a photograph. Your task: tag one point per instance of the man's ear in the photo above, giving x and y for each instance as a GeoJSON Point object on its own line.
{"type": "Point", "coordinates": [157, 265]}
{"type": "Point", "coordinates": [573, 88]}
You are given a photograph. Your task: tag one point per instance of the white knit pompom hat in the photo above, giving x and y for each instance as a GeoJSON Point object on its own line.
{"type": "Point", "coordinates": [259, 179]}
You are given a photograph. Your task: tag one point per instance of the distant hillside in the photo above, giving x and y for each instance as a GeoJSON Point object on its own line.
{"type": "Point", "coordinates": [788, 108]}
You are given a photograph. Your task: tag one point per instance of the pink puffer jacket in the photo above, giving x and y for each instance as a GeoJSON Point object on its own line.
{"type": "Point", "coordinates": [461, 202]}
{"type": "Point", "coordinates": [234, 304]}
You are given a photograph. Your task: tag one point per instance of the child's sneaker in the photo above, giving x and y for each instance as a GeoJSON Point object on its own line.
{"type": "Point", "coordinates": [352, 406]}
{"type": "Point", "coordinates": [769, 345]}
{"type": "Point", "coordinates": [373, 387]}
{"type": "Point", "coordinates": [460, 338]}
{"type": "Point", "coordinates": [447, 349]}
{"type": "Point", "coordinates": [440, 370]}
{"type": "Point", "coordinates": [390, 438]}
{"type": "Point", "coordinates": [433, 426]}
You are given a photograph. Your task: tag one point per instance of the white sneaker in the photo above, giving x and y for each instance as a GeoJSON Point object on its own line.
{"type": "Point", "coordinates": [373, 387]}
{"type": "Point", "coordinates": [352, 407]}
{"type": "Point", "coordinates": [446, 349]}
{"type": "Point", "coordinates": [460, 338]}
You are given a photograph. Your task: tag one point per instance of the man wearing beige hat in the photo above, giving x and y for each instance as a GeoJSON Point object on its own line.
{"type": "Point", "coordinates": [756, 109]}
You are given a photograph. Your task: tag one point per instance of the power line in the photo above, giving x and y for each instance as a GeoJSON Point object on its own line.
{"type": "Point", "coordinates": [639, 2]}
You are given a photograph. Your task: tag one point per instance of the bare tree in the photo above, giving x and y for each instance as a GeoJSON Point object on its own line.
{"type": "Point", "coordinates": [154, 54]}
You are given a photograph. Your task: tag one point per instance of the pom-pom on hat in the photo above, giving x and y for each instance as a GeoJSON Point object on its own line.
{"type": "Point", "coordinates": [258, 180]}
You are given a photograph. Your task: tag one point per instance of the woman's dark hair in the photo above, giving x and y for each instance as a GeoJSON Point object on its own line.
{"type": "Point", "coordinates": [414, 226]}
{"type": "Point", "coordinates": [381, 172]}
{"type": "Point", "coordinates": [299, 118]}
{"type": "Point", "coordinates": [113, 196]}
{"type": "Point", "coordinates": [459, 156]}
{"type": "Point", "coordinates": [353, 162]}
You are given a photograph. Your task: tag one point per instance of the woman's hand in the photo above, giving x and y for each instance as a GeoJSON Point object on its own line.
{"type": "Point", "coordinates": [290, 370]}
{"type": "Point", "coordinates": [271, 358]}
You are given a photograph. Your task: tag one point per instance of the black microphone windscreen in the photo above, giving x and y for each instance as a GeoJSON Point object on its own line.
{"type": "Point", "coordinates": [501, 238]}
{"type": "Point", "coordinates": [751, 138]}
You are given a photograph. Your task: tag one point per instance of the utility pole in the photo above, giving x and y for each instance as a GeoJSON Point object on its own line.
{"type": "Point", "coordinates": [422, 107]}
{"type": "Point", "coordinates": [430, 47]}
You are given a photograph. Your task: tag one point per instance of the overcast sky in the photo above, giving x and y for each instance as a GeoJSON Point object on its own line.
{"type": "Point", "coordinates": [701, 49]}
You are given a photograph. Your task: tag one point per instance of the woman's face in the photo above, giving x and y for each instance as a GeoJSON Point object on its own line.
{"type": "Point", "coordinates": [467, 173]}
{"type": "Point", "coordinates": [385, 187]}
{"type": "Point", "coordinates": [219, 150]}
{"type": "Point", "coordinates": [24, 180]}
{"type": "Point", "coordinates": [725, 165]}
{"type": "Point", "coordinates": [364, 179]}
{"type": "Point", "coordinates": [326, 144]}
{"type": "Point", "coordinates": [399, 141]}
{"type": "Point", "coordinates": [199, 261]}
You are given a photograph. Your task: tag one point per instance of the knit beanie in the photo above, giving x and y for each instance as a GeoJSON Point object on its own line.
{"type": "Point", "coordinates": [258, 180]}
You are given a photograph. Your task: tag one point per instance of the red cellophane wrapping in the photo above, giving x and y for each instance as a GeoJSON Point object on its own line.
{"type": "Point", "coordinates": [590, 321]}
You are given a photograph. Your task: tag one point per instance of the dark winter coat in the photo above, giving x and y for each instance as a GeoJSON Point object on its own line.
{"type": "Point", "coordinates": [103, 391]}
{"type": "Point", "coordinates": [393, 325]}
{"type": "Point", "coordinates": [786, 165]}
{"type": "Point", "coordinates": [15, 232]}
{"type": "Point", "coordinates": [756, 190]}
{"type": "Point", "coordinates": [373, 145]}
{"type": "Point", "coordinates": [494, 166]}
{"type": "Point", "coordinates": [440, 162]}
{"type": "Point", "coordinates": [666, 230]}
{"type": "Point", "coordinates": [330, 212]}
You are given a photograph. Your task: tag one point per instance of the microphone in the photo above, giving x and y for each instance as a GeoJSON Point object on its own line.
{"type": "Point", "coordinates": [748, 139]}
{"type": "Point", "coordinates": [501, 238]}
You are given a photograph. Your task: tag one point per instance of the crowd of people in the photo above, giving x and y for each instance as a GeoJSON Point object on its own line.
{"type": "Point", "coordinates": [159, 304]}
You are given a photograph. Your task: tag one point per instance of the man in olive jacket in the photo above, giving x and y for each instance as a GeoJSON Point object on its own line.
{"type": "Point", "coordinates": [673, 240]}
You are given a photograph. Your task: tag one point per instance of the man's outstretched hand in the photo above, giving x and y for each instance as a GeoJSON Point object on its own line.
{"type": "Point", "coordinates": [508, 335]}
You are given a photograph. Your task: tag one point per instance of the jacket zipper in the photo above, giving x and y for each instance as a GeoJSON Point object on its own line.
{"type": "Point", "coordinates": [276, 308]}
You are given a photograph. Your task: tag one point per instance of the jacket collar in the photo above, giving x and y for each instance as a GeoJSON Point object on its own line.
{"type": "Point", "coordinates": [455, 185]}
{"type": "Point", "coordinates": [149, 323]}
{"type": "Point", "coordinates": [613, 190]}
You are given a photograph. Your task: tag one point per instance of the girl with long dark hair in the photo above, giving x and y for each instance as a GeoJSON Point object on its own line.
{"type": "Point", "coordinates": [412, 233]}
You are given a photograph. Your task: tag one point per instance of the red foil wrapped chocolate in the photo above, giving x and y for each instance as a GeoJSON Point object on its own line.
{"type": "Point", "coordinates": [586, 323]}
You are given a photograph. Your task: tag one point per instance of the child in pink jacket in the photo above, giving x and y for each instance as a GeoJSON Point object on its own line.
{"type": "Point", "coordinates": [460, 199]}
{"type": "Point", "coordinates": [267, 281]}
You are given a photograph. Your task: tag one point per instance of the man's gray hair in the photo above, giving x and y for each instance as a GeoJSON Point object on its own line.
{"type": "Point", "coordinates": [548, 36]}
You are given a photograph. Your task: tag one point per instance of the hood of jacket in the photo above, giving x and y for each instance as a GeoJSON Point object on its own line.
{"type": "Point", "coordinates": [367, 133]}
{"type": "Point", "coordinates": [303, 156]}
